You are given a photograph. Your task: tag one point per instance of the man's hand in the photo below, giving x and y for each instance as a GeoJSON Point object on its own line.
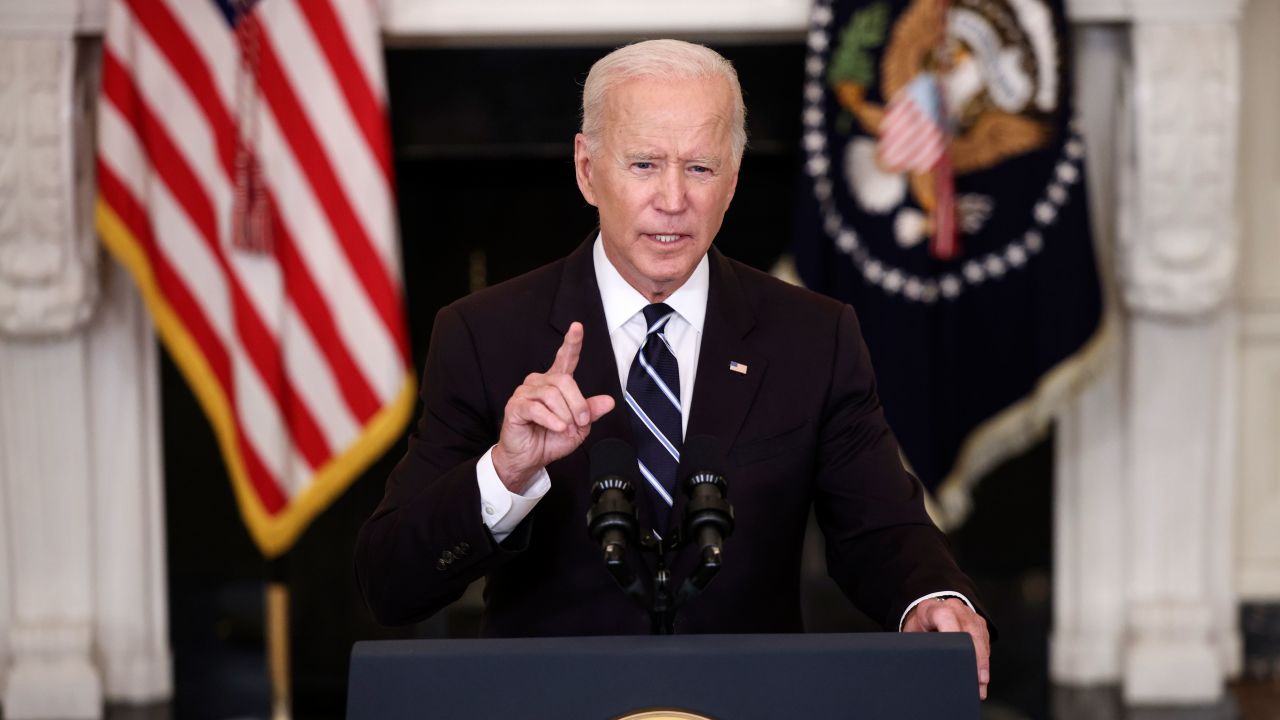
{"type": "Point", "coordinates": [546, 418]}
{"type": "Point", "coordinates": [950, 614]}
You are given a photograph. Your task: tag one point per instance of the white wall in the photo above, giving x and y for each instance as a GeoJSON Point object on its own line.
{"type": "Point", "coordinates": [1258, 509]}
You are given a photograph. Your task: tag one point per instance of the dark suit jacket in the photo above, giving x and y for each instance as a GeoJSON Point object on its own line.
{"type": "Point", "coordinates": [803, 427]}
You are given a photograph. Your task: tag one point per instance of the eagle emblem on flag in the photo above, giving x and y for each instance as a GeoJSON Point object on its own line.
{"type": "Point", "coordinates": [945, 181]}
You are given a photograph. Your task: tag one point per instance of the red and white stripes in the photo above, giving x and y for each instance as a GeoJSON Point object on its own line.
{"type": "Point", "coordinates": [300, 357]}
{"type": "Point", "coordinates": [911, 139]}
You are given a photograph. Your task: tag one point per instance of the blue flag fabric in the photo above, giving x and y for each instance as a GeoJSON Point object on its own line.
{"type": "Point", "coordinates": [944, 198]}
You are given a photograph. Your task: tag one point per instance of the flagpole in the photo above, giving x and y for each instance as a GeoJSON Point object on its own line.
{"type": "Point", "coordinates": [277, 597]}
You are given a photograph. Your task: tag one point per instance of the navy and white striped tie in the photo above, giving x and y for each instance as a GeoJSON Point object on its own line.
{"type": "Point", "coordinates": [653, 394]}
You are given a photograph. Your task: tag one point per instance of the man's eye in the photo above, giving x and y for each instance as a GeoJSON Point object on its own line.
{"type": "Point", "coordinates": [642, 165]}
{"type": "Point", "coordinates": [700, 170]}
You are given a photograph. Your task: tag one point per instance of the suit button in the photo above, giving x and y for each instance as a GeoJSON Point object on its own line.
{"type": "Point", "coordinates": [459, 551]}
{"type": "Point", "coordinates": [464, 548]}
{"type": "Point", "coordinates": [447, 556]}
{"type": "Point", "coordinates": [441, 564]}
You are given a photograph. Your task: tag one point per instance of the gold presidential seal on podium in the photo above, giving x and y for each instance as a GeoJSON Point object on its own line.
{"type": "Point", "coordinates": [664, 715]}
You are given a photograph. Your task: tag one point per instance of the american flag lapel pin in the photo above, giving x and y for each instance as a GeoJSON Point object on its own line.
{"type": "Point", "coordinates": [737, 367]}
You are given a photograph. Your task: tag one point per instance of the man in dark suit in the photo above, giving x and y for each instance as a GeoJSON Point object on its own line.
{"type": "Point", "coordinates": [524, 377]}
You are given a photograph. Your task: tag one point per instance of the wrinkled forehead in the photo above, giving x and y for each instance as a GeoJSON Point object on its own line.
{"type": "Point", "coordinates": [701, 107]}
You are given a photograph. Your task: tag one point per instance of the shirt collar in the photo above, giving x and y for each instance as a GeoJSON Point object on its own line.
{"type": "Point", "coordinates": [622, 302]}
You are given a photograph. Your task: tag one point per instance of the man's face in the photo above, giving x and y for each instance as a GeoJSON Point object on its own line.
{"type": "Point", "coordinates": [662, 177]}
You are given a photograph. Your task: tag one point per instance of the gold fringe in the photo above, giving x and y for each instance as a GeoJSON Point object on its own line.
{"type": "Point", "coordinates": [1021, 424]}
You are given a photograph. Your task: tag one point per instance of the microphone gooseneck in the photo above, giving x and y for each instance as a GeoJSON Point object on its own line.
{"type": "Point", "coordinates": [611, 521]}
{"type": "Point", "coordinates": [708, 518]}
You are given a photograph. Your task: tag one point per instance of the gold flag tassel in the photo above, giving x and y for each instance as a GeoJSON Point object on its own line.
{"type": "Point", "coordinates": [250, 212]}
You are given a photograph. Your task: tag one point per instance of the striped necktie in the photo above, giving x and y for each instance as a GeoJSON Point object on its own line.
{"type": "Point", "coordinates": [653, 394]}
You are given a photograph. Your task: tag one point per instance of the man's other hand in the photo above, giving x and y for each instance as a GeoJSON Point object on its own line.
{"type": "Point", "coordinates": [952, 615]}
{"type": "Point", "coordinates": [546, 418]}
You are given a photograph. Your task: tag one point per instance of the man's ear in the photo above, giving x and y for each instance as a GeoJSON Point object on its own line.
{"type": "Point", "coordinates": [582, 168]}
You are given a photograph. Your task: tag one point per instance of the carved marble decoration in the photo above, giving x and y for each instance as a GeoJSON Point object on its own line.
{"type": "Point", "coordinates": [45, 477]}
{"type": "Point", "coordinates": [1177, 247]}
{"type": "Point", "coordinates": [83, 525]}
{"type": "Point", "coordinates": [1178, 533]}
{"type": "Point", "coordinates": [83, 615]}
{"type": "Point", "coordinates": [131, 633]}
{"type": "Point", "coordinates": [1087, 639]}
{"type": "Point", "coordinates": [1178, 238]}
{"type": "Point", "coordinates": [48, 260]}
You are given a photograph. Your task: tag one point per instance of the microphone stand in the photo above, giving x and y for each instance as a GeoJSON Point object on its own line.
{"type": "Point", "coordinates": [660, 602]}
{"type": "Point", "coordinates": [662, 607]}
{"type": "Point", "coordinates": [611, 521]}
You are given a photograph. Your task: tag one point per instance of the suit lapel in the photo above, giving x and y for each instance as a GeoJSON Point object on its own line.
{"type": "Point", "coordinates": [578, 298]}
{"type": "Point", "coordinates": [722, 397]}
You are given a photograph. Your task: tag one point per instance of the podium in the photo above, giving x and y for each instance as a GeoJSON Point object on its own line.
{"type": "Point", "coordinates": [896, 676]}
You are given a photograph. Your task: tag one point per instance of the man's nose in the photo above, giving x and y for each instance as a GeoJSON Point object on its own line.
{"type": "Point", "coordinates": [671, 197]}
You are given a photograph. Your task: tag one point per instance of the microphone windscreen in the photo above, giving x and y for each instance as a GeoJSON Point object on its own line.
{"type": "Point", "coordinates": [612, 457]}
{"type": "Point", "coordinates": [700, 454]}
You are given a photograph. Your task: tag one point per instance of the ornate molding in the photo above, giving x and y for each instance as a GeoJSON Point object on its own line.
{"type": "Point", "coordinates": [548, 21]}
{"type": "Point", "coordinates": [556, 20]}
{"type": "Point", "coordinates": [1178, 239]}
{"type": "Point", "coordinates": [1186, 10]}
{"type": "Point", "coordinates": [48, 257]}
{"type": "Point", "coordinates": [44, 16]}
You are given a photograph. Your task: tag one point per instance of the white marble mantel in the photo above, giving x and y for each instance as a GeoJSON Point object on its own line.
{"type": "Point", "coordinates": [83, 615]}
{"type": "Point", "coordinates": [1145, 477]}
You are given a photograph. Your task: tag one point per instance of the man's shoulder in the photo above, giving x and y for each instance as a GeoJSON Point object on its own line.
{"type": "Point", "coordinates": [770, 295]}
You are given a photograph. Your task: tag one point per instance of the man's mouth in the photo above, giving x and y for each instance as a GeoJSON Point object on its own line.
{"type": "Point", "coordinates": [665, 238]}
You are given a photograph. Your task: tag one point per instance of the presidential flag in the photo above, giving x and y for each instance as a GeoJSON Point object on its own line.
{"type": "Point", "coordinates": [946, 202]}
{"type": "Point", "coordinates": [245, 180]}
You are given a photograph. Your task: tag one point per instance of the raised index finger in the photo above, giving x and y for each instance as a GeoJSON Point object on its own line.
{"type": "Point", "coordinates": [567, 356]}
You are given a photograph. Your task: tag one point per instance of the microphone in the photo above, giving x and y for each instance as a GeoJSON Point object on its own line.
{"type": "Point", "coordinates": [708, 518]}
{"type": "Point", "coordinates": [611, 521]}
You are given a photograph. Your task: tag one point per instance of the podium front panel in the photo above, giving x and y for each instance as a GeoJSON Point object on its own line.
{"type": "Point", "coordinates": [895, 676]}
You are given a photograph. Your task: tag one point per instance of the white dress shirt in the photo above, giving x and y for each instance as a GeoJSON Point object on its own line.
{"type": "Point", "coordinates": [501, 509]}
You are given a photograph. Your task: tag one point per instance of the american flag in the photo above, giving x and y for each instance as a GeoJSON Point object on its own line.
{"type": "Point", "coordinates": [913, 138]}
{"type": "Point", "coordinates": [244, 179]}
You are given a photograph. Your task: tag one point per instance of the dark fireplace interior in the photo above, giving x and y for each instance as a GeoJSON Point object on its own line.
{"type": "Point", "coordinates": [483, 152]}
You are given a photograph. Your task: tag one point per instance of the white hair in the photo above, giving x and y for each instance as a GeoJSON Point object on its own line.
{"type": "Point", "coordinates": [664, 60]}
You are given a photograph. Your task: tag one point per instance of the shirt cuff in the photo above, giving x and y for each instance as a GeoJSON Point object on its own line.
{"type": "Point", "coordinates": [930, 596]}
{"type": "Point", "coordinates": [500, 509]}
